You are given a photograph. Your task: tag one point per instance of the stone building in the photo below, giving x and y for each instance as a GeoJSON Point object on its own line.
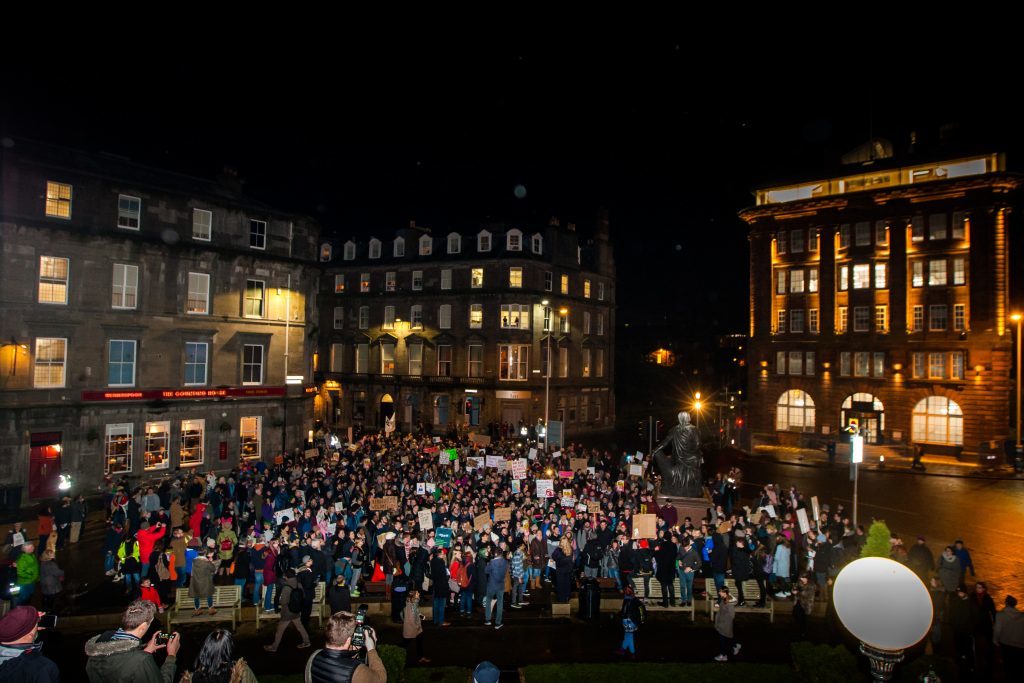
{"type": "Point", "coordinates": [151, 321]}
{"type": "Point", "coordinates": [879, 297]}
{"type": "Point", "coordinates": [444, 330]}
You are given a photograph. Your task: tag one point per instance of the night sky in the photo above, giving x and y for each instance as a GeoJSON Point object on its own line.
{"type": "Point", "coordinates": [670, 135]}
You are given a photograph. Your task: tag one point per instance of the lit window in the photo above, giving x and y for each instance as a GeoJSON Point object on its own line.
{"type": "Point", "coordinates": [515, 277]}
{"type": "Point", "coordinates": [192, 433]}
{"type": "Point", "coordinates": [249, 437]}
{"type": "Point", "coordinates": [444, 317]}
{"type": "Point", "coordinates": [426, 245]}
{"type": "Point", "coordinates": [796, 320]}
{"type": "Point", "coordinates": [374, 248]}
{"type": "Point", "coordinates": [844, 278]}
{"type": "Point", "coordinates": [483, 241]}
{"type": "Point", "coordinates": [339, 284]}
{"type": "Point", "coordinates": [454, 243]}
{"type": "Point", "coordinates": [515, 316]}
{"type": "Point", "coordinates": [476, 360]}
{"type": "Point", "coordinates": [416, 316]}
{"type": "Point", "coordinates": [936, 366]}
{"type": "Point", "coordinates": [918, 368]}
{"type": "Point", "coordinates": [586, 322]}
{"type": "Point", "coordinates": [362, 358]}
{"type": "Point", "coordinates": [861, 318]}
{"type": "Point", "coordinates": [364, 282]}
{"type": "Point", "coordinates": [387, 359]}
{"type": "Point", "coordinates": [812, 279]}
{"type": "Point", "coordinates": [812, 321]}
{"type": "Point", "coordinates": [417, 280]}
{"type": "Point", "coordinates": [794, 411]}
{"type": "Point", "coordinates": [415, 352]}
{"type": "Point", "coordinates": [476, 280]}
{"type": "Point", "coordinates": [514, 240]}
{"type": "Point", "coordinates": [252, 364]}
{"type": "Point", "coordinates": [861, 276]}
{"type": "Point", "coordinates": [58, 200]}
{"type": "Point", "coordinates": [878, 364]}
{"type": "Point", "coordinates": [796, 241]}
{"type": "Point", "coordinates": [446, 278]}
{"type": "Point", "coordinates": [53, 280]}
{"type": "Point", "coordinates": [257, 234]}
{"type": "Point", "coordinates": [118, 448]}
{"type": "Point", "coordinates": [389, 318]}
{"type": "Point", "coordinates": [918, 323]}
{"type": "Point", "coordinates": [917, 273]}
{"type": "Point", "coordinates": [565, 284]}
{"type": "Point", "coordinates": [881, 318]}
{"type": "Point", "coordinates": [917, 229]}
{"type": "Point", "coordinates": [957, 359]}
{"type": "Point", "coordinates": [255, 291]}
{"type": "Point", "coordinates": [937, 318]}
{"type": "Point", "coordinates": [780, 282]}
{"type": "Point", "coordinates": [843, 325]}
{"type": "Point", "coordinates": [563, 322]}
{"type": "Point", "coordinates": [198, 301]}
{"type": "Point", "coordinates": [585, 369]}
{"type": "Point", "coordinates": [861, 363]}
{"type": "Point", "coordinates": [563, 361]}
{"type": "Point", "coordinates": [862, 234]}
{"type": "Point", "coordinates": [349, 252]}
{"type": "Point", "coordinates": [202, 225]}
{"type": "Point", "coordinates": [389, 281]}
{"type": "Point", "coordinates": [537, 244]}
{"type": "Point", "coordinates": [364, 317]}
{"type": "Point", "coordinates": [549, 279]}
{"type": "Point", "coordinates": [796, 281]}
{"type": "Point", "coordinates": [881, 233]}
{"type": "Point", "coordinates": [881, 276]}
{"type": "Point", "coordinates": [959, 317]}
{"type": "Point", "coordinates": [157, 455]}
{"type": "Point", "coordinates": [780, 362]}
{"type": "Point", "coordinates": [959, 275]}
{"type": "Point", "coordinates": [121, 363]}
{"type": "Point", "coordinates": [129, 211]}
{"type": "Point", "coordinates": [337, 357]}
{"type": "Point", "coordinates": [599, 364]}
{"type": "Point", "coordinates": [796, 363]}
{"type": "Point", "coordinates": [444, 360]}
{"type": "Point", "coordinates": [844, 363]}
{"type": "Point", "coordinates": [547, 319]}
{"type": "Point", "coordinates": [586, 289]}
{"type": "Point", "coordinates": [937, 226]}
{"type": "Point", "coordinates": [780, 321]}
{"type": "Point", "coordinates": [476, 316]}
{"type": "Point", "coordinates": [399, 247]}
{"type": "Point", "coordinates": [937, 272]}
{"type": "Point", "coordinates": [195, 363]}
{"type": "Point", "coordinates": [50, 363]}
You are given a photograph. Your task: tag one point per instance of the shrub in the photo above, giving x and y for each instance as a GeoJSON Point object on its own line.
{"type": "Point", "coordinates": [877, 544]}
{"type": "Point", "coordinates": [824, 663]}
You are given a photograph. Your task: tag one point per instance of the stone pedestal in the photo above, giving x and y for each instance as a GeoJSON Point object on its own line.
{"type": "Point", "coordinates": [694, 508]}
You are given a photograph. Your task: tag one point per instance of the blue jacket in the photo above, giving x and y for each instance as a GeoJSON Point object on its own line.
{"type": "Point", "coordinates": [496, 570]}
{"type": "Point", "coordinates": [964, 556]}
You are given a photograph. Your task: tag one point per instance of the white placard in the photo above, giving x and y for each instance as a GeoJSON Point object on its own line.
{"type": "Point", "coordinates": [557, 454]}
{"type": "Point", "coordinates": [815, 508]}
{"type": "Point", "coordinates": [770, 509]}
{"type": "Point", "coordinates": [639, 455]}
{"type": "Point", "coordinates": [519, 468]}
{"type": "Point", "coordinates": [339, 506]}
{"type": "Point", "coordinates": [592, 470]}
{"type": "Point", "coordinates": [443, 458]}
{"type": "Point", "coordinates": [426, 519]}
{"type": "Point", "coordinates": [18, 540]}
{"type": "Point", "coordinates": [281, 514]}
{"type": "Point", "coordinates": [532, 455]}
{"type": "Point", "coordinates": [493, 461]}
{"type": "Point", "coordinates": [421, 489]}
{"type": "Point", "coordinates": [801, 517]}
{"type": "Point", "coordinates": [430, 487]}
{"type": "Point", "coordinates": [545, 488]}
{"type": "Point", "coordinates": [636, 471]}
{"type": "Point", "coordinates": [437, 439]}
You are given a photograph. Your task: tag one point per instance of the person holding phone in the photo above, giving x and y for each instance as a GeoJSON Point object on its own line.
{"type": "Point", "coordinates": [120, 657]}
{"type": "Point", "coordinates": [21, 657]}
{"type": "Point", "coordinates": [340, 661]}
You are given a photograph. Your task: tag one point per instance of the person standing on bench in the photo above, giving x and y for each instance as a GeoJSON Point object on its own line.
{"type": "Point", "coordinates": [307, 581]}
{"type": "Point", "coordinates": [203, 569]}
{"type": "Point", "coordinates": [665, 558]}
{"type": "Point", "coordinates": [739, 555]}
{"type": "Point", "coordinates": [291, 611]}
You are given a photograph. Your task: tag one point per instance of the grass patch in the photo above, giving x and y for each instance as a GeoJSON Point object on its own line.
{"type": "Point", "coordinates": [658, 673]}
{"type": "Point", "coordinates": [437, 674]}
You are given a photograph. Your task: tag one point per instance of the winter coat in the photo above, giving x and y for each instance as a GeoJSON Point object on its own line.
{"type": "Point", "coordinates": [691, 558]}
{"type": "Point", "coordinates": [124, 661]}
{"type": "Point", "coordinates": [28, 569]}
{"type": "Point", "coordinates": [665, 556]}
{"type": "Point", "coordinates": [51, 578]}
{"type": "Point", "coordinates": [288, 585]}
{"type": "Point", "coordinates": [724, 618]}
{"type": "Point", "coordinates": [26, 664]}
{"type": "Point", "coordinates": [439, 578]}
{"type": "Point", "coordinates": [948, 570]}
{"type": "Point", "coordinates": [240, 673]}
{"type": "Point", "coordinates": [202, 578]}
{"type": "Point", "coordinates": [782, 558]}
{"type": "Point", "coordinates": [538, 553]}
{"type": "Point", "coordinates": [805, 596]}
{"type": "Point", "coordinates": [412, 625]}
{"type": "Point", "coordinates": [497, 568]}
{"type": "Point", "coordinates": [740, 559]}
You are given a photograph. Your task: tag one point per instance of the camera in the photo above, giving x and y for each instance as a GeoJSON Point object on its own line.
{"type": "Point", "coordinates": [359, 635]}
{"type": "Point", "coordinates": [163, 638]}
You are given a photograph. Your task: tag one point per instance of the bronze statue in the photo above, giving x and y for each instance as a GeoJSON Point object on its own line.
{"type": "Point", "coordinates": [681, 471]}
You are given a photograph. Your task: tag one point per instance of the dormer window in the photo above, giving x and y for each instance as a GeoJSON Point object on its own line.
{"type": "Point", "coordinates": [350, 251]}
{"type": "Point", "coordinates": [514, 240]}
{"type": "Point", "coordinates": [399, 247]}
{"type": "Point", "coordinates": [483, 241]}
{"type": "Point", "coordinates": [374, 248]}
{"type": "Point", "coordinates": [537, 244]}
{"type": "Point", "coordinates": [454, 243]}
{"type": "Point", "coordinates": [426, 245]}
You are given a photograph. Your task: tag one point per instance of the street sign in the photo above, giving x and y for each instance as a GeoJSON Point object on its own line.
{"type": "Point", "coordinates": [857, 448]}
{"type": "Point", "coordinates": [554, 434]}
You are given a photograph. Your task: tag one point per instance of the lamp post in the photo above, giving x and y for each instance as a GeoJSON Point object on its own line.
{"type": "Point", "coordinates": [886, 607]}
{"type": "Point", "coordinates": [547, 375]}
{"type": "Point", "coordinates": [1016, 317]}
{"type": "Point", "coordinates": [696, 407]}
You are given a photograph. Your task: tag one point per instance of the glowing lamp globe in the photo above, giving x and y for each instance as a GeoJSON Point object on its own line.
{"type": "Point", "coordinates": [883, 603]}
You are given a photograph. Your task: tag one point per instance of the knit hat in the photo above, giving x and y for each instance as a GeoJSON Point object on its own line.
{"type": "Point", "coordinates": [19, 622]}
{"type": "Point", "coordinates": [485, 672]}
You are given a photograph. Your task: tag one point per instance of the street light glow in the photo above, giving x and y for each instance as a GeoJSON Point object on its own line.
{"type": "Point", "coordinates": [1015, 317]}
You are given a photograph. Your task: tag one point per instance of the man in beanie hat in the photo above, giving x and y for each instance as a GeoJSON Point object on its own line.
{"type": "Point", "coordinates": [119, 656]}
{"type": "Point", "coordinates": [21, 657]}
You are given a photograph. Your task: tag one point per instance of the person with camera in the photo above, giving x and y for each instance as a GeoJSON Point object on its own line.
{"type": "Point", "coordinates": [350, 654]}
{"type": "Point", "coordinates": [119, 656]}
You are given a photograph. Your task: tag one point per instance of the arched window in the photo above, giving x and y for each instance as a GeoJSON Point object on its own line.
{"type": "Point", "coordinates": [399, 251]}
{"type": "Point", "coordinates": [426, 245]}
{"type": "Point", "coordinates": [861, 403]}
{"type": "Point", "coordinates": [483, 241]}
{"type": "Point", "coordinates": [374, 248]}
{"type": "Point", "coordinates": [514, 240]}
{"type": "Point", "coordinates": [537, 243]}
{"type": "Point", "coordinates": [350, 250]}
{"type": "Point", "coordinates": [795, 412]}
{"type": "Point", "coordinates": [938, 420]}
{"type": "Point", "coordinates": [454, 243]}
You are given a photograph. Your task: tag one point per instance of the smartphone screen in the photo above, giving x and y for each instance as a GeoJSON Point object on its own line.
{"type": "Point", "coordinates": [48, 621]}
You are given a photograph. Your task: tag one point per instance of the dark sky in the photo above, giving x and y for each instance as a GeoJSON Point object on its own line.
{"type": "Point", "coordinates": [670, 135]}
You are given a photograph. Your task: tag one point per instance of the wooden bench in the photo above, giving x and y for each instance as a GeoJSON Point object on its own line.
{"type": "Point", "coordinates": [227, 600]}
{"type": "Point", "coordinates": [319, 595]}
{"type": "Point", "coordinates": [655, 596]}
{"type": "Point", "coordinates": [750, 589]}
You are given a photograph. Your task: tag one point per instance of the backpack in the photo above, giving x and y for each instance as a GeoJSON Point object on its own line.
{"type": "Point", "coordinates": [295, 600]}
{"type": "Point", "coordinates": [464, 576]}
{"type": "Point", "coordinates": [226, 546]}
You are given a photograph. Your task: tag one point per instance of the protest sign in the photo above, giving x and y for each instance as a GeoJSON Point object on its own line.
{"type": "Point", "coordinates": [472, 463]}
{"type": "Point", "coordinates": [636, 471]}
{"type": "Point", "coordinates": [421, 489]}
{"type": "Point", "coordinates": [480, 439]}
{"type": "Point", "coordinates": [620, 486]}
{"type": "Point", "coordinates": [312, 453]}
{"type": "Point", "coordinates": [532, 455]}
{"type": "Point", "coordinates": [592, 470]}
{"type": "Point", "coordinates": [452, 454]}
{"type": "Point", "coordinates": [502, 514]}
{"type": "Point", "coordinates": [443, 537]}
{"type": "Point", "coordinates": [556, 454]}
{"type": "Point", "coordinates": [431, 450]}
{"type": "Point", "coordinates": [801, 516]}
{"type": "Point", "coordinates": [516, 487]}
{"type": "Point", "coordinates": [405, 459]}
{"type": "Point", "coordinates": [568, 501]}
{"type": "Point", "coordinates": [339, 506]}
{"type": "Point", "coordinates": [443, 458]}
{"type": "Point", "coordinates": [431, 486]}
{"type": "Point", "coordinates": [281, 514]}
{"type": "Point", "coordinates": [482, 520]}
{"type": "Point", "coordinates": [577, 464]}
{"type": "Point", "coordinates": [815, 507]}
{"type": "Point", "coordinates": [645, 526]}
{"type": "Point", "coordinates": [639, 456]}
{"type": "Point", "coordinates": [770, 509]}
{"type": "Point", "coordinates": [426, 519]}
{"type": "Point", "coordinates": [545, 488]}
{"type": "Point", "coordinates": [519, 468]}
{"type": "Point", "coordinates": [493, 461]}
{"type": "Point", "coordinates": [593, 507]}
{"type": "Point", "coordinates": [437, 439]}
{"type": "Point", "coordinates": [384, 503]}
{"type": "Point", "coordinates": [564, 474]}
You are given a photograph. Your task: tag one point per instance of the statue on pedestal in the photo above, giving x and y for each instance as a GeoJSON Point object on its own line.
{"type": "Point", "coordinates": [680, 471]}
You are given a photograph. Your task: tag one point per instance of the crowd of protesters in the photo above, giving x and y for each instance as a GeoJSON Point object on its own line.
{"type": "Point", "coordinates": [471, 526]}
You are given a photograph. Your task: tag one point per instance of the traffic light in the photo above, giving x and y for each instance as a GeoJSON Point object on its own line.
{"type": "Point", "coordinates": [469, 406]}
{"type": "Point", "coordinates": [658, 427]}
{"type": "Point", "coordinates": [739, 422]}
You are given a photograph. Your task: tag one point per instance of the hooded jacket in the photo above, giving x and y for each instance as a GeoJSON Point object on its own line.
{"type": "Point", "coordinates": [117, 661]}
{"type": "Point", "coordinates": [26, 663]}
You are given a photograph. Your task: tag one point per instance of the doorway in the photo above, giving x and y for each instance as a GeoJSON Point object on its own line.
{"type": "Point", "coordinates": [44, 465]}
{"type": "Point", "coordinates": [512, 414]}
{"type": "Point", "coordinates": [387, 409]}
{"type": "Point", "coordinates": [869, 412]}
{"type": "Point", "coordinates": [441, 412]}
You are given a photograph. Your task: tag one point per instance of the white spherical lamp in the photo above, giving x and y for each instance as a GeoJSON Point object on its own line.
{"type": "Point", "coordinates": [885, 605]}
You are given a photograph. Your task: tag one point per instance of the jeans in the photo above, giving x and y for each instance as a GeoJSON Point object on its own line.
{"type": "Point", "coordinates": [614, 574]}
{"type": "Point", "coordinates": [627, 643]}
{"type": "Point", "coordinates": [145, 569]}
{"type": "Point", "coordinates": [517, 591]}
{"type": "Point", "coordinates": [257, 587]}
{"type": "Point", "coordinates": [241, 584]}
{"type": "Point", "coordinates": [719, 580]}
{"type": "Point", "coordinates": [591, 572]}
{"type": "Point", "coordinates": [108, 562]}
{"type": "Point", "coordinates": [209, 601]}
{"type": "Point", "coordinates": [180, 581]}
{"type": "Point", "coordinates": [131, 582]}
{"type": "Point", "coordinates": [686, 586]}
{"type": "Point", "coordinates": [495, 597]}
{"type": "Point", "coordinates": [466, 601]}
{"type": "Point", "coordinates": [268, 598]}
{"type": "Point", "coordinates": [355, 580]}
{"type": "Point", "coordinates": [439, 611]}
{"type": "Point", "coordinates": [534, 573]}
{"type": "Point", "coordinates": [725, 645]}
{"type": "Point", "coordinates": [668, 591]}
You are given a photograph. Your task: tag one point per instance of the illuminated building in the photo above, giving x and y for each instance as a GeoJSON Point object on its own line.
{"type": "Point", "coordinates": [881, 296]}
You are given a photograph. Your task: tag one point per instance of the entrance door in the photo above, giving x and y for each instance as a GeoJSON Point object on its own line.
{"type": "Point", "coordinates": [441, 412]}
{"type": "Point", "coordinates": [387, 409]}
{"type": "Point", "coordinates": [512, 415]}
{"type": "Point", "coordinates": [44, 465]}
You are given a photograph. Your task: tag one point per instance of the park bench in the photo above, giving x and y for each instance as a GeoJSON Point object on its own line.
{"type": "Point", "coordinates": [227, 600]}
{"type": "Point", "coordinates": [654, 597]}
{"type": "Point", "coordinates": [750, 589]}
{"type": "Point", "coordinates": [319, 593]}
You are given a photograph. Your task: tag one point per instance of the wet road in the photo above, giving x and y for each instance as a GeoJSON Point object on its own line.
{"type": "Point", "coordinates": [987, 514]}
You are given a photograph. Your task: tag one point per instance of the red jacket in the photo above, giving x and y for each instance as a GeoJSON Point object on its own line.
{"type": "Point", "coordinates": [45, 525]}
{"type": "Point", "coordinates": [147, 539]}
{"type": "Point", "coordinates": [196, 520]}
{"type": "Point", "coordinates": [151, 594]}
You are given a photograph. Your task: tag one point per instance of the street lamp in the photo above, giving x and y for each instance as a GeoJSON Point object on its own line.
{"type": "Point", "coordinates": [547, 375]}
{"type": "Point", "coordinates": [696, 407]}
{"type": "Point", "coordinates": [1016, 317]}
{"type": "Point", "coordinates": [886, 607]}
